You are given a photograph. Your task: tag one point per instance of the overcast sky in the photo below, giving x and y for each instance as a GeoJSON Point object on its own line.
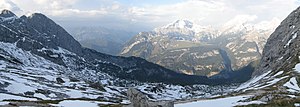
{"type": "Point", "coordinates": [146, 14]}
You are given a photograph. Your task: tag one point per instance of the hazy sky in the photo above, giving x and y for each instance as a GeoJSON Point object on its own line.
{"type": "Point", "coordinates": [147, 14]}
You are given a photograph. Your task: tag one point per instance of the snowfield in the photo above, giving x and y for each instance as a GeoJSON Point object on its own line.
{"type": "Point", "coordinates": [292, 84]}
{"type": "Point", "coordinates": [252, 83]}
{"type": "Point", "coordinates": [297, 67]}
{"type": "Point", "coordinates": [220, 102]}
{"type": "Point", "coordinates": [79, 103]}
{"type": "Point", "coordinates": [9, 97]}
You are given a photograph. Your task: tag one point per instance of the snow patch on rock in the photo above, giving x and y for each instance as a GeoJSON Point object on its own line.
{"type": "Point", "coordinates": [292, 85]}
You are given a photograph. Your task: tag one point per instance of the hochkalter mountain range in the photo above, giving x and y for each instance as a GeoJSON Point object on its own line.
{"type": "Point", "coordinates": [192, 49]}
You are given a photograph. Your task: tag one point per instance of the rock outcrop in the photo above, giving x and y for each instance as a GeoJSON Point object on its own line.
{"type": "Point", "coordinates": [138, 99]}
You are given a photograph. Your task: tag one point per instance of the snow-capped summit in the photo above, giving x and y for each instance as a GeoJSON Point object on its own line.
{"type": "Point", "coordinates": [37, 16]}
{"type": "Point", "coordinates": [178, 27]}
{"type": "Point", "coordinates": [238, 24]}
{"type": "Point", "coordinates": [268, 25]}
{"type": "Point", "coordinates": [6, 14]}
{"type": "Point", "coordinates": [244, 24]}
{"type": "Point", "coordinates": [184, 26]}
{"type": "Point", "coordinates": [180, 24]}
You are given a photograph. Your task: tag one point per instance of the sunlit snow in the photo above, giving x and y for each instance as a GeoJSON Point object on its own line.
{"type": "Point", "coordinates": [297, 67]}
{"type": "Point", "coordinates": [79, 103]}
{"type": "Point", "coordinates": [292, 84]}
{"type": "Point", "coordinates": [288, 43]}
{"type": "Point", "coordinates": [9, 97]}
{"type": "Point", "coordinates": [221, 102]}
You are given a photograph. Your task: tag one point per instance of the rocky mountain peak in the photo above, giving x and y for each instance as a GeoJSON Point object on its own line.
{"type": "Point", "coordinates": [54, 35]}
{"type": "Point", "coordinates": [7, 13]}
{"type": "Point", "coordinates": [38, 16]}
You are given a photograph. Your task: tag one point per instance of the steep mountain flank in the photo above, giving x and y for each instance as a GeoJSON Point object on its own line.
{"type": "Point", "coordinates": [276, 80]}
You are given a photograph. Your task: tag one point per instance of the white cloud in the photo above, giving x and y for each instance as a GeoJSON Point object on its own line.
{"type": "Point", "coordinates": [115, 6]}
{"type": "Point", "coordinates": [215, 12]}
{"type": "Point", "coordinates": [54, 4]}
{"type": "Point", "coordinates": [203, 12]}
{"type": "Point", "coordinates": [241, 19]}
{"type": "Point", "coordinates": [7, 4]}
{"type": "Point", "coordinates": [77, 13]}
{"type": "Point", "coordinates": [193, 9]}
{"type": "Point", "coordinates": [57, 8]}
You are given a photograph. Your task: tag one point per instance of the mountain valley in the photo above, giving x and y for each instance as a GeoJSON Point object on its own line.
{"type": "Point", "coordinates": [108, 41]}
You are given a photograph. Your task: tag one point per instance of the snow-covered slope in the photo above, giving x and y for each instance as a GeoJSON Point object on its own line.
{"type": "Point", "coordinates": [26, 76]}
{"type": "Point", "coordinates": [220, 102]}
{"type": "Point", "coordinates": [33, 76]}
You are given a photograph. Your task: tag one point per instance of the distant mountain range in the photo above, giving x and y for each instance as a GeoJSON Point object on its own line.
{"type": "Point", "coordinates": [104, 40]}
{"type": "Point", "coordinates": [192, 49]}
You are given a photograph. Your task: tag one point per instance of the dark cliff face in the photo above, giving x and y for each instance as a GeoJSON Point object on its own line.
{"type": "Point", "coordinates": [52, 34]}
{"type": "Point", "coordinates": [7, 13]}
{"type": "Point", "coordinates": [282, 48]}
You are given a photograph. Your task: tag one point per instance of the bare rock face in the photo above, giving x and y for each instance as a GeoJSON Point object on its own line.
{"type": "Point", "coordinates": [138, 99]}
{"type": "Point", "coordinates": [282, 48]}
